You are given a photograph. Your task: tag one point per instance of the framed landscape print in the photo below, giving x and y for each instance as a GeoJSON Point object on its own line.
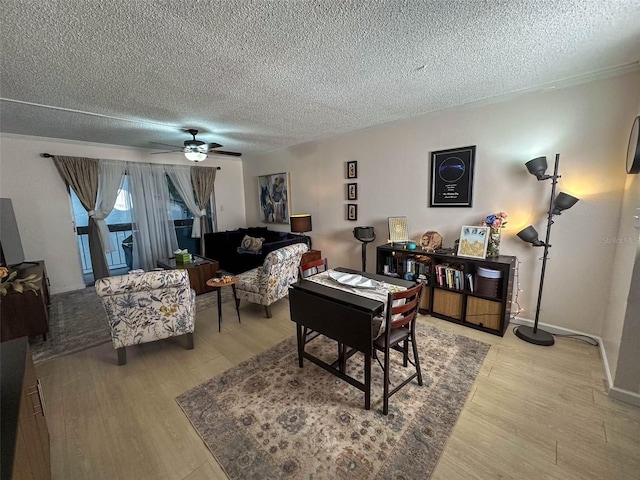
{"type": "Point", "coordinates": [352, 211]}
{"type": "Point", "coordinates": [452, 177]}
{"type": "Point", "coordinates": [352, 169]}
{"type": "Point", "coordinates": [473, 241]}
{"type": "Point", "coordinates": [273, 196]}
{"type": "Point", "coordinates": [352, 191]}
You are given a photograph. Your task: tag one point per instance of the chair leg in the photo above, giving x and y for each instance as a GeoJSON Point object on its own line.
{"type": "Point", "coordinates": [267, 311]}
{"type": "Point", "coordinates": [122, 355]}
{"type": "Point", "coordinates": [385, 405]}
{"type": "Point", "coordinates": [405, 353]}
{"type": "Point", "coordinates": [189, 341]}
{"type": "Point", "coordinates": [416, 359]}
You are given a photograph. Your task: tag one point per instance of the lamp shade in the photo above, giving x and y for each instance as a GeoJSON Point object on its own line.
{"type": "Point", "coordinates": [537, 167]}
{"type": "Point", "coordinates": [301, 223]}
{"type": "Point", "coordinates": [530, 235]}
{"type": "Point", "coordinates": [195, 156]}
{"type": "Point", "coordinates": [562, 202]}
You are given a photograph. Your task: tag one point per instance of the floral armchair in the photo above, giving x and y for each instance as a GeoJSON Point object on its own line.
{"type": "Point", "coordinates": [266, 284]}
{"type": "Point", "coordinates": [148, 306]}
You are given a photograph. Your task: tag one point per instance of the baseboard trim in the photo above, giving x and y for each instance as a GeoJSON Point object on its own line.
{"type": "Point", "coordinates": [68, 289]}
{"type": "Point", "coordinates": [626, 396]}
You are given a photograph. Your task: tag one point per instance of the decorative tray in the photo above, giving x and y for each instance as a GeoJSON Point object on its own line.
{"type": "Point", "coordinates": [354, 280]}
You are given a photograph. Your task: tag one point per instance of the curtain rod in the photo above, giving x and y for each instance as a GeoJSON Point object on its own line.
{"type": "Point", "coordinates": [48, 155]}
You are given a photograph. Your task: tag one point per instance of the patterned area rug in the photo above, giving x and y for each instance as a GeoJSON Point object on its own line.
{"type": "Point", "coordinates": [77, 321]}
{"type": "Point", "coordinates": [267, 418]}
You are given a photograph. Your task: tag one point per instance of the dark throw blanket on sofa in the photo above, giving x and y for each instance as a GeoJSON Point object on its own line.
{"type": "Point", "coordinates": [226, 247]}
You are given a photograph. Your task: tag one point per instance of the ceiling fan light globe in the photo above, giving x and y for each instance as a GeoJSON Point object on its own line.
{"type": "Point", "coordinates": [195, 156]}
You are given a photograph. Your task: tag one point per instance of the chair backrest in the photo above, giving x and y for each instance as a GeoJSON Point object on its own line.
{"type": "Point", "coordinates": [402, 307]}
{"type": "Point", "coordinates": [313, 267]}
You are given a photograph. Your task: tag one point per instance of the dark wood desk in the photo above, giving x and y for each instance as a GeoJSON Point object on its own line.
{"type": "Point", "coordinates": [342, 316]}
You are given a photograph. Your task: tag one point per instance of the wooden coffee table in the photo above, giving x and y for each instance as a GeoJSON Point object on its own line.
{"type": "Point", "coordinates": [200, 270]}
{"type": "Point", "coordinates": [218, 284]}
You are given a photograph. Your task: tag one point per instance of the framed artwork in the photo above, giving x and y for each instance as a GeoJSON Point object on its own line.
{"type": "Point", "coordinates": [398, 230]}
{"type": "Point", "coordinates": [273, 196]}
{"type": "Point", "coordinates": [452, 177]}
{"type": "Point", "coordinates": [473, 241]}
{"type": "Point", "coordinates": [352, 191]}
{"type": "Point", "coordinates": [352, 169]}
{"type": "Point", "coordinates": [352, 211]}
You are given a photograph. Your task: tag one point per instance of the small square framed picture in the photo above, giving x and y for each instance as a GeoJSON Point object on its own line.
{"type": "Point", "coordinates": [352, 212]}
{"type": "Point", "coordinates": [352, 191]}
{"type": "Point", "coordinates": [473, 241]}
{"type": "Point", "coordinates": [352, 169]}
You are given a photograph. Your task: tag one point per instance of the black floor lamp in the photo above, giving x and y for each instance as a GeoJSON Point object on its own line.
{"type": "Point", "coordinates": [538, 167]}
{"type": "Point", "coordinates": [365, 235]}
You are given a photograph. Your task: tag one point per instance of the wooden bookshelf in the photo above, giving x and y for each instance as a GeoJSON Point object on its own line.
{"type": "Point", "coordinates": [451, 288]}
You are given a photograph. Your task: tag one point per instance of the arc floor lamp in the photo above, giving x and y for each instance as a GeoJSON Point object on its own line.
{"type": "Point", "coordinates": [538, 167]}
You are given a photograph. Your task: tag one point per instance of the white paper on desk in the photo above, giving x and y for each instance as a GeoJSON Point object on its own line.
{"type": "Point", "coordinates": [354, 280]}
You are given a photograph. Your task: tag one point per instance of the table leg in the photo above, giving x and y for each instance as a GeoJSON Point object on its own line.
{"type": "Point", "coordinates": [342, 357]}
{"type": "Point", "coordinates": [219, 308]}
{"type": "Point", "coordinates": [367, 381]}
{"type": "Point", "coordinates": [237, 300]}
{"type": "Point", "coordinates": [300, 335]}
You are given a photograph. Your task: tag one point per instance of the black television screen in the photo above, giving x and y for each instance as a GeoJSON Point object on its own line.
{"type": "Point", "coordinates": [10, 244]}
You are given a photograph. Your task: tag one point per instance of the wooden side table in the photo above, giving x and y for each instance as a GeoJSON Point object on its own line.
{"type": "Point", "coordinates": [200, 269]}
{"type": "Point", "coordinates": [217, 284]}
{"type": "Point", "coordinates": [310, 256]}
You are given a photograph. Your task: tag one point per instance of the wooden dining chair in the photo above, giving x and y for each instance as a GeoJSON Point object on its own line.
{"type": "Point", "coordinates": [400, 330]}
{"type": "Point", "coordinates": [307, 270]}
{"type": "Point", "coordinates": [314, 267]}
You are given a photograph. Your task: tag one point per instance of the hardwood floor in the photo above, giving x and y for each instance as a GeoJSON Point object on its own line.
{"type": "Point", "coordinates": [534, 412]}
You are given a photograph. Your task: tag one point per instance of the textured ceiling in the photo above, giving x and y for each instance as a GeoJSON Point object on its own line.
{"type": "Point", "coordinates": [256, 75]}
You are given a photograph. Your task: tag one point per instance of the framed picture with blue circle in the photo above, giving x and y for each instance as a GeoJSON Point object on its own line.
{"type": "Point", "coordinates": [452, 177]}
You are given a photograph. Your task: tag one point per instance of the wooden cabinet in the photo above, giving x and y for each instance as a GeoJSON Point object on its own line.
{"type": "Point", "coordinates": [456, 288]}
{"type": "Point", "coordinates": [310, 256]}
{"type": "Point", "coordinates": [25, 450]}
{"type": "Point", "coordinates": [27, 313]}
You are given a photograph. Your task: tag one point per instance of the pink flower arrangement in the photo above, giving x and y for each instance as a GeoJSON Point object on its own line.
{"type": "Point", "coordinates": [495, 220]}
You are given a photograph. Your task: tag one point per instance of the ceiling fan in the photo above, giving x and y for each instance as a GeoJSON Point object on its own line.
{"type": "Point", "coordinates": [197, 150]}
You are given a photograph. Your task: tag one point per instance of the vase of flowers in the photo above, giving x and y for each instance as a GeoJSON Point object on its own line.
{"type": "Point", "coordinates": [496, 222]}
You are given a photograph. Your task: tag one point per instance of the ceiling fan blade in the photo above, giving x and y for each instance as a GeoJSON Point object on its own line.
{"type": "Point", "coordinates": [169, 151]}
{"type": "Point", "coordinates": [222, 152]}
{"type": "Point", "coordinates": [166, 145]}
{"type": "Point", "coordinates": [213, 145]}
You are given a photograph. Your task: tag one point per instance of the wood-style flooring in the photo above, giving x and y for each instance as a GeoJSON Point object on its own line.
{"type": "Point", "coordinates": [533, 413]}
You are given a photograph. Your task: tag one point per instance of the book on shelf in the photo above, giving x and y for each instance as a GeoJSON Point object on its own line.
{"type": "Point", "coordinates": [449, 276]}
{"type": "Point", "coordinates": [470, 282]}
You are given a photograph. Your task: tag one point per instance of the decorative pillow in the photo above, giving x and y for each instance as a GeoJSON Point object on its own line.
{"type": "Point", "coordinates": [252, 243]}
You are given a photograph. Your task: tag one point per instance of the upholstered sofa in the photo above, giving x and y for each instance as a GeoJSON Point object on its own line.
{"type": "Point", "coordinates": [270, 282]}
{"type": "Point", "coordinates": [226, 247]}
{"type": "Point", "coordinates": [148, 306]}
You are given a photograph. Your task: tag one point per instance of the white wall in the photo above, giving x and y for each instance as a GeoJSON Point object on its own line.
{"type": "Point", "coordinates": [587, 124]}
{"type": "Point", "coordinates": [42, 205]}
{"type": "Point", "coordinates": [622, 329]}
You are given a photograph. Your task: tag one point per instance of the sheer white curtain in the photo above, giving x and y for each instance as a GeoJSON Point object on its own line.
{"type": "Point", "coordinates": [110, 175]}
{"type": "Point", "coordinates": [181, 177]}
{"type": "Point", "coordinates": [154, 235]}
